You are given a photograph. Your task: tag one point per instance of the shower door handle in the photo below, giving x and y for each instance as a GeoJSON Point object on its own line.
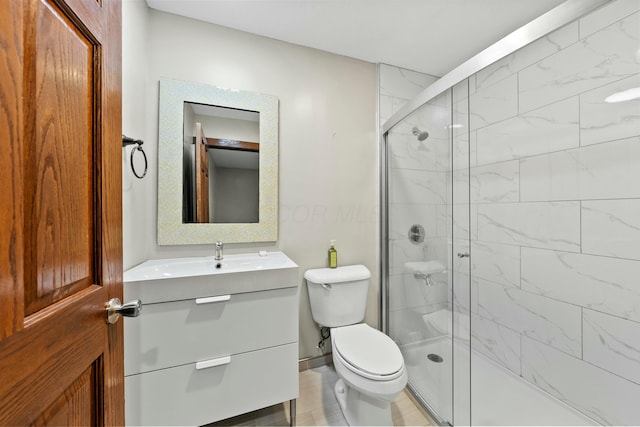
{"type": "Point", "coordinates": [463, 254]}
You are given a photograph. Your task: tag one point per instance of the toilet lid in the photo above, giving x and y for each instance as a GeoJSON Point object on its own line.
{"type": "Point", "coordinates": [368, 350]}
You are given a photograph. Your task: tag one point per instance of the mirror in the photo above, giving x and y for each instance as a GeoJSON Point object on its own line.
{"type": "Point", "coordinates": [221, 173]}
{"type": "Point", "coordinates": [217, 165]}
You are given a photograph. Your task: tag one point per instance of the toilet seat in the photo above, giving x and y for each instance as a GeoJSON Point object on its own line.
{"type": "Point", "coordinates": [367, 352]}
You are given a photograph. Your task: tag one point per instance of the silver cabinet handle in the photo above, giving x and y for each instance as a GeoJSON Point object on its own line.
{"type": "Point", "coordinates": [463, 254]}
{"type": "Point", "coordinates": [213, 362]}
{"type": "Point", "coordinates": [115, 309]}
{"type": "Point", "coordinates": [208, 300]}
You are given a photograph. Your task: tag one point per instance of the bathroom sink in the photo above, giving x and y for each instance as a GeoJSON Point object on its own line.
{"type": "Point", "coordinates": [201, 266]}
{"type": "Point", "coordinates": [183, 278]}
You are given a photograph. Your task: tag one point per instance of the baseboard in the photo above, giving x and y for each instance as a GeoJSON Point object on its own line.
{"type": "Point", "coordinates": [314, 362]}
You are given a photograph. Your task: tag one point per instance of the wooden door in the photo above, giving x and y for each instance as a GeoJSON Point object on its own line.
{"type": "Point", "coordinates": [202, 176]}
{"type": "Point", "coordinates": [60, 213]}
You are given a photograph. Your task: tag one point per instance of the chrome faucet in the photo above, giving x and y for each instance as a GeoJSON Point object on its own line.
{"type": "Point", "coordinates": [219, 247]}
{"type": "Point", "coordinates": [423, 276]}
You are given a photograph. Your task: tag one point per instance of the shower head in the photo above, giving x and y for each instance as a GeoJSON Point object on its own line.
{"type": "Point", "coordinates": [418, 133]}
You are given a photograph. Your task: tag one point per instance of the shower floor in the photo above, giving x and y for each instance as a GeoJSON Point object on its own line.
{"type": "Point", "coordinates": [499, 396]}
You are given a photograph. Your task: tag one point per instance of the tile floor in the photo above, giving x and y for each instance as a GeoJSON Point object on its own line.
{"type": "Point", "coordinates": [317, 406]}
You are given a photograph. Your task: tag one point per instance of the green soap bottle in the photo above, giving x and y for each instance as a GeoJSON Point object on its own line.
{"type": "Point", "coordinates": [333, 255]}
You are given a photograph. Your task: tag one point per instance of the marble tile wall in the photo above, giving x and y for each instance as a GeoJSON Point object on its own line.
{"type": "Point", "coordinates": [555, 200]}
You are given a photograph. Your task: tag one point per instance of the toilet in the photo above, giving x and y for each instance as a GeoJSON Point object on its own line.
{"type": "Point", "coordinates": [369, 363]}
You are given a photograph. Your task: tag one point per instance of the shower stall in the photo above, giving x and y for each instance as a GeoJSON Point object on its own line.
{"type": "Point", "coordinates": [511, 227]}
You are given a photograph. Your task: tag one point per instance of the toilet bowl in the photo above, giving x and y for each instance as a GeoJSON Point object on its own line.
{"type": "Point", "coordinates": [372, 373]}
{"type": "Point", "coordinates": [369, 363]}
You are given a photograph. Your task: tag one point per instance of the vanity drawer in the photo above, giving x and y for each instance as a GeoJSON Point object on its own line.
{"type": "Point", "coordinates": [184, 395]}
{"type": "Point", "coordinates": [180, 332]}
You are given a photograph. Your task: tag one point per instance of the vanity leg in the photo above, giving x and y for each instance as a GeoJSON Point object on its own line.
{"type": "Point", "coordinates": [292, 412]}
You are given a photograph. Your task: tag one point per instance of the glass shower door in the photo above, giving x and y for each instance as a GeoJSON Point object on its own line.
{"type": "Point", "coordinates": [461, 289]}
{"type": "Point", "coordinates": [422, 269]}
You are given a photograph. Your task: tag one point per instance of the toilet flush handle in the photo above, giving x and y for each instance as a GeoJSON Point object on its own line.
{"type": "Point", "coordinates": [326, 286]}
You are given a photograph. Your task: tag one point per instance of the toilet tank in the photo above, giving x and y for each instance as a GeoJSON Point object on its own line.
{"type": "Point", "coordinates": [338, 296]}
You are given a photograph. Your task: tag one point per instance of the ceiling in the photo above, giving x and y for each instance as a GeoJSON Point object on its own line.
{"type": "Point", "coordinates": [430, 36]}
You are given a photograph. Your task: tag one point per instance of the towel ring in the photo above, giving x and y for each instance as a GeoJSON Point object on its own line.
{"type": "Point", "coordinates": [146, 164]}
{"type": "Point", "coordinates": [130, 141]}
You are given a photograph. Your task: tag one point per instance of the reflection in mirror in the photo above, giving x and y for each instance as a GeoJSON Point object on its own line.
{"type": "Point", "coordinates": [220, 164]}
{"type": "Point", "coordinates": [217, 165]}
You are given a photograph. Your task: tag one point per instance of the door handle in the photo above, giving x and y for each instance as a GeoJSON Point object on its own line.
{"type": "Point", "coordinates": [463, 255]}
{"type": "Point", "coordinates": [115, 309]}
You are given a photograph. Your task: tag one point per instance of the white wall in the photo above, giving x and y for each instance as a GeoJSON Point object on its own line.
{"type": "Point", "coordinates": [227, 128]}
{"type": "Point", "coordinates": [328, 145]}
{"type": "Point", "coordinates": [136, 194]}
{"type": "Point", "coordinates": [236, 195]}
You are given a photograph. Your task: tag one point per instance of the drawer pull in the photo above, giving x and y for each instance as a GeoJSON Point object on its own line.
{"type": "Point", "coordinates": [208, 300]}
{"type": "Point", "coordinates": [213, 362]}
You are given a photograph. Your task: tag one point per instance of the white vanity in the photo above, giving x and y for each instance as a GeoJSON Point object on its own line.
{"type": "Point", "coordinates": [215, 339]}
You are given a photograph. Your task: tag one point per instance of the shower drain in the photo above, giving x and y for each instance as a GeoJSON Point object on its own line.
{"type": "Point", "coordinates": [434, 358]}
